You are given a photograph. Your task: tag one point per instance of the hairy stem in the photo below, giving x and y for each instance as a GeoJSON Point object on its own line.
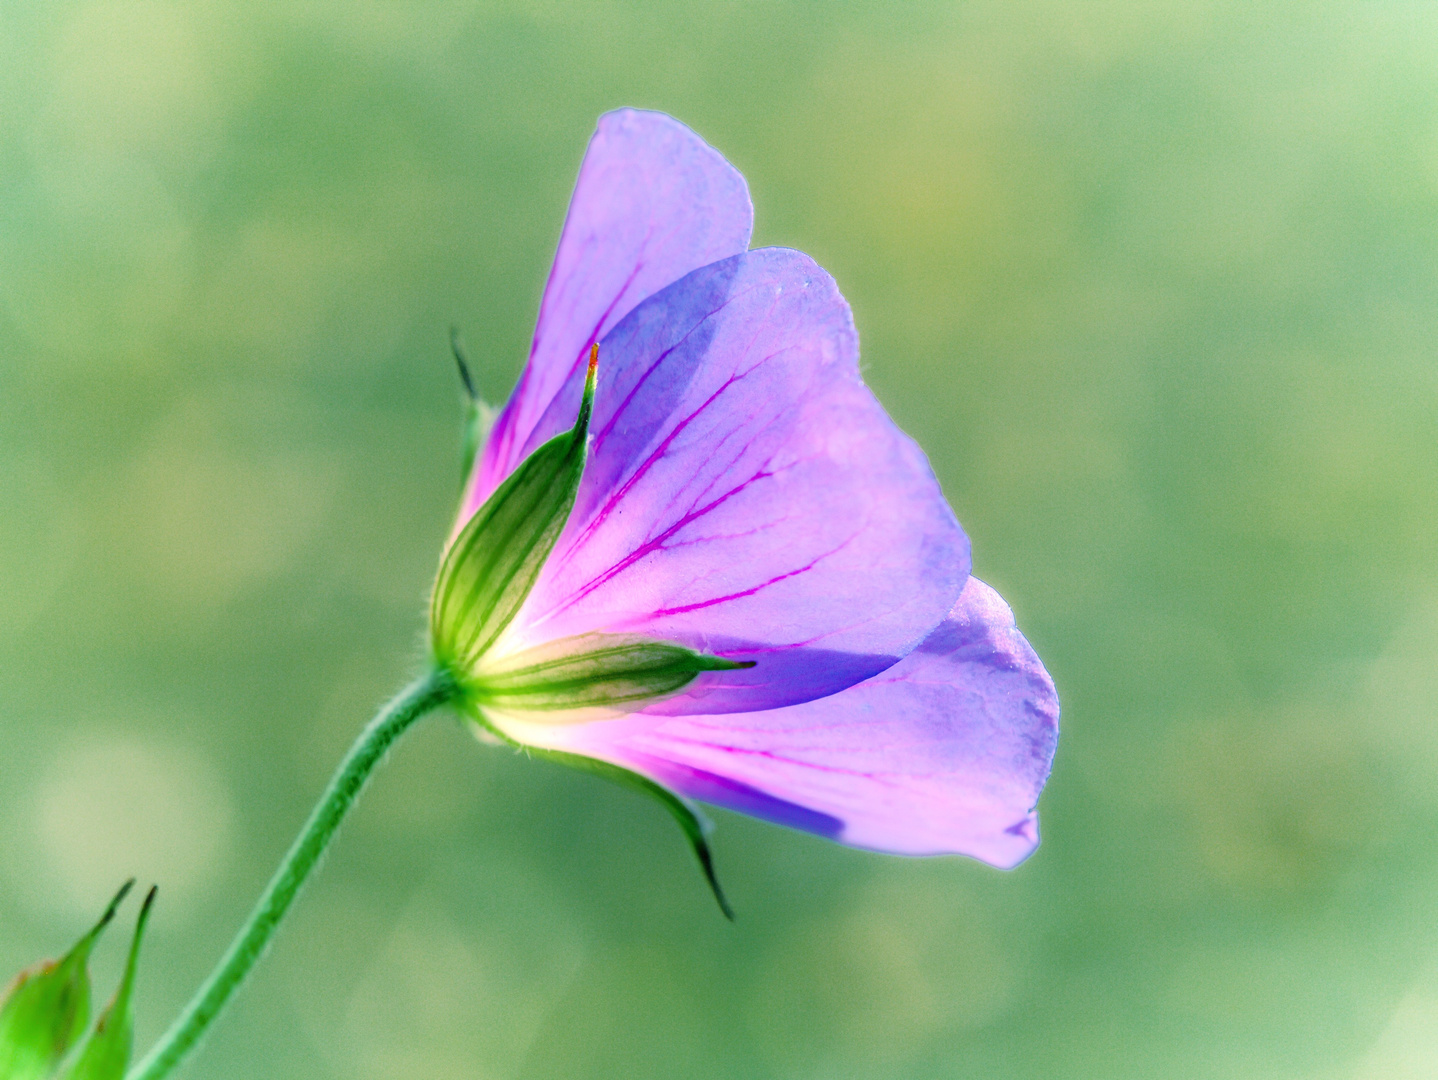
{"type": "Point", "coordinates": [417, 699]}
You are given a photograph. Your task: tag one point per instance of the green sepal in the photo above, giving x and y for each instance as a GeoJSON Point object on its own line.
{"type": "Point", "coordinates": [691, 823]}
{"type": "Point", "coordinates": [107, 1053]}
{"type": "Point", "coordinates": [694, 827]}
{"type": "Point", "coordinates": [479, 415]}
{"type": "Point", "coordinates": [494, 561]}
{"type": "Point", "coordinates": [47, 1007]}
{"type": "Point", "coordinates": [590, 670]}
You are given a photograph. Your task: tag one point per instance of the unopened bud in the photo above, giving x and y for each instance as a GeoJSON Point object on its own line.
{"type": "Point", "coordinates": [48, 1006]}
{"type": "Point", "coordinates": [107, 1054]}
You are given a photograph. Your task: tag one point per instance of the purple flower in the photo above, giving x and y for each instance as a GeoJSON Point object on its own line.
{"type": "Point", "coordinates": [732, 578]}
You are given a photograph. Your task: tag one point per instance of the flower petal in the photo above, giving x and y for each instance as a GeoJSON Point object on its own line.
{"type": "Point", "coordinates": [945, 752]}
{"type": "Point", "coordinates": [746, 496]}
{"type": "Point", "coordinates": [653, 201]}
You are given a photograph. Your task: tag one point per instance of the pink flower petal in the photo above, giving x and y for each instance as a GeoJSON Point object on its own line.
{"type": "Point", "coordinates": [746, 496]}
{"type": "Point", "coordinates": [945, 752]}
{"type": "Point", "coordinates": [653, 201]}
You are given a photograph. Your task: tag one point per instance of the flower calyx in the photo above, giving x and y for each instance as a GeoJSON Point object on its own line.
{"type": "Point", "coordinates": [489, 570]}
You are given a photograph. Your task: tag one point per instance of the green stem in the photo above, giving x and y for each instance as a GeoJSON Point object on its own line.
{"type": "Point", "coordinates": [420, 697]}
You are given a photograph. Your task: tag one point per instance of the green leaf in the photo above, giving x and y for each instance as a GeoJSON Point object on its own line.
{"type": "Point", "coordinates": [694, 827]}
{"type": "Point", "coordinates": [47, 1007]}
{"type": "Point", "coordinates": [591, 670]}
{"type": "Point", "coordinates": [107, 1053]}
{"type": "Point", "coordinates": [493, 563]}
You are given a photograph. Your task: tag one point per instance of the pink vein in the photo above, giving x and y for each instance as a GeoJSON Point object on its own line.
{"type": "Point", "coordinates": [699, 605]}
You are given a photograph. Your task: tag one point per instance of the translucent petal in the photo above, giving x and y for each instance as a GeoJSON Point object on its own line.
{"type": "Point", "coordinates": [945, 752]}
{"type": "Point", "coordinates": [746, 496]}
{"type": "Point", "coordinates": [653, 201]}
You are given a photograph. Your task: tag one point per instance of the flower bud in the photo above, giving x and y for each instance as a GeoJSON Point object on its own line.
{"type": "Point", "coordinates": [107, 1053]}
{"type": "Point", "coordinates": [48, 1006]}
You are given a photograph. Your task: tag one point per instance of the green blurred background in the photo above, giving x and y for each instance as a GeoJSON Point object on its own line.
{"type": "Point", "coordinates": [1156, 286]}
